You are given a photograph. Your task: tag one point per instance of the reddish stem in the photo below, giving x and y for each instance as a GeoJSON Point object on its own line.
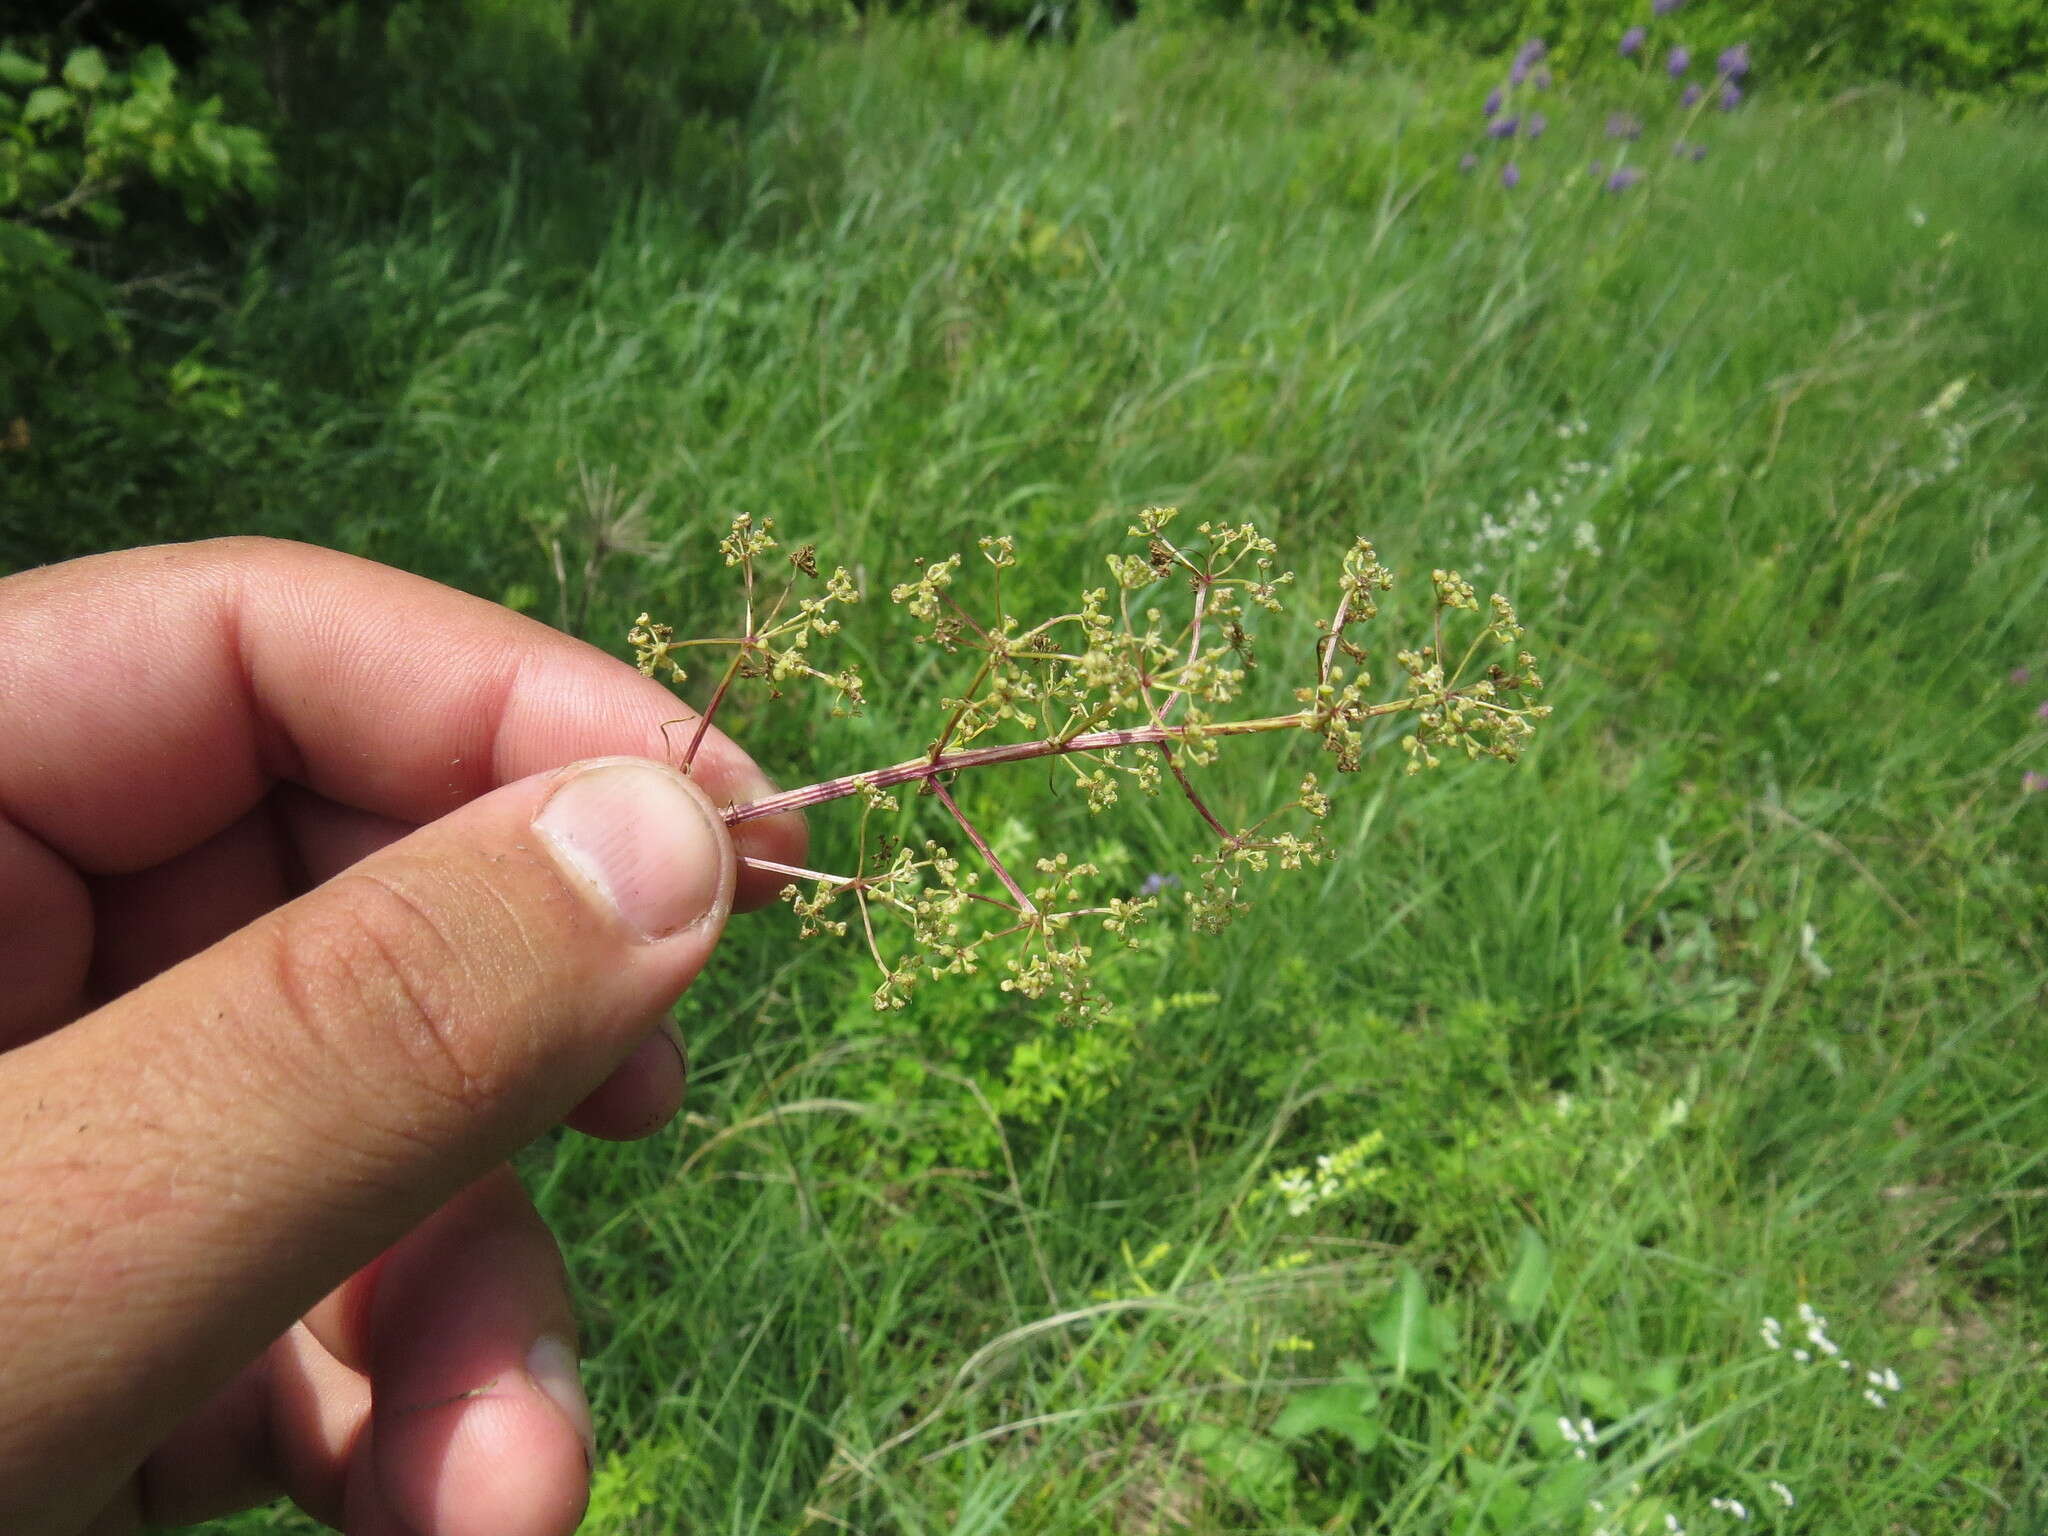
{"type": "Point", "coordinates": [718, 694]}
{"type": "Point", "coordinates": [927, 767]}
{"type": "Point", "coordinates": [1337, 623]}
{"type": "Point", "coordinates": [988, 854]}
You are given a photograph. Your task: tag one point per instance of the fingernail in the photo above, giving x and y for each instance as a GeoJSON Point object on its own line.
{"type": "Point", "coordinates": [673, 1034]}
{"type": "Point", "coordinates": [552, 1365]}
{"type": "Point", "coordinates": [650, 846]}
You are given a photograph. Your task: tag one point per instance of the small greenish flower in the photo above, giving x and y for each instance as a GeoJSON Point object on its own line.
{"type": "Point", "coordinates": [1150, 695]}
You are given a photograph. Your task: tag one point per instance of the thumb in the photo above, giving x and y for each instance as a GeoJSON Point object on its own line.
{"type": "Point", "coordinates": [192, 1166]}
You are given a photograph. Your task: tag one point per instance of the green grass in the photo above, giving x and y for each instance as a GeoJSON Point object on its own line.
{"type": "Point", "coordinates": [1730, 993]}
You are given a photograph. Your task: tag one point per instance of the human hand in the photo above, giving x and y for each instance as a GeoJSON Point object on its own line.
{"type": "Point", "coordinates": [302, 933]}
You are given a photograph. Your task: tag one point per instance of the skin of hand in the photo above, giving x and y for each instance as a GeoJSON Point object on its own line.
{"type": "Point", "coordinates": [314, 908]}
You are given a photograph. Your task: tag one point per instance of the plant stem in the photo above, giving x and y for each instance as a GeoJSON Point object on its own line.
{"type": "Point", "coordinates": [927, 766]}
{"type": "Point", "coordinates": [988, 854]}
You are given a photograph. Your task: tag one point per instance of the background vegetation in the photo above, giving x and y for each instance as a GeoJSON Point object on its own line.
{"type": "Point", "coordinates": [1725, 1001]}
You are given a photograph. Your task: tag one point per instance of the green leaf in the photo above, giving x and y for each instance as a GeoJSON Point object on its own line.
{"type": "Point", "coordinates": [1252, 1467]}
{"type": "Point", "coordinates": [19, 68]}
{"type": "Point", "coordinates": [1529, 1285]}
{"type": "Point", "coordinates": [1603, 1394]}
{"type": "Point", "coordinates": [45, 101]}
{"type": "Point", "coordinates": [1412, 1336]}
{"type": "Point", "coordinates": [1658, 1381]}
{"type": "Point", "coordinates": [1562, 1493]}
{"type": "Point", "coordinates": [1348, 1407]}
{"type": "Point", "coordinates": [1496, 1495]}
{"type": "Point", "coordinates": [86, 69]}
{"type": "Point", "coordinates": [152, 68]}
{"type": "Point", "coordinates": [66, 316]}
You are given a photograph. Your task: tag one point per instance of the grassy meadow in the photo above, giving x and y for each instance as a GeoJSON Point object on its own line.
{"type": "Point", "coordinates": [1725, 1002]}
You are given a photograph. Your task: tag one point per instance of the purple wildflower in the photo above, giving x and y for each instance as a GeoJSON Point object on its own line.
{"type": "Point", "coordinates": [1468, 163]}
{"type": "Point", "coordinates": [1664, 7]}
{"type": "Point", "coordinates": [1731, 97]}
{"type": "Point", "coordinates": [1624, 125]}
{"type": "Point", "coordinates": [2020, 676]}
{"type": "Point", "coordinates": [1511, 176]}
{"type": "Point", "coordinates": [2042, 712]}
{"type": "Point", "coordinates": [1503, 127]}
{"type": "Point", "coordinates": [1154, 884]}
{"type": "Point", "coordinates": [1690, 96]}
{"type": "Point", "coordinates": [1493, 101]}
{"type": "Point", "coordinates": [1527, 57]}
{"type": "Point", "coordinates": [1623, 177]}
{"type": "Point", "coordinates": [2032, 783]}
{"type": "Point", "coordinates": [1533, 127]}
{"type": "Point", "coordinates": [1734, 62]}
{"type": "Point", "coordinates": [1540, 77]}
{"type": "Point", "coordinates": [1679, 61]}
{"type": "Point", "coordinates": [1699, 153]}
{"type": "Point", "coordinates": [1632, 41]}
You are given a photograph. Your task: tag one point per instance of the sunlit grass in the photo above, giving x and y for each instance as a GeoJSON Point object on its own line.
{"type": "Point", "coordinates": [1731, 992]}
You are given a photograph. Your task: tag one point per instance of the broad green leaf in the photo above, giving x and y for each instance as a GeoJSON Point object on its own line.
{"type": "Point", "coordinates": [1658, 1381]}
{"type": "Point", "coordinates": [67, 318]}
{"type": "Point", "coordinates": [1529, 1284]}
{"type": "Point", "coordinates": [1539, 1419]}
{"type": "Point", "coordinates": [86, 69]}
{"type": "Point", "coordinates": [1603, 1394]}
{"type": "Point", "coordinates": [1412, 1336]}
{"type": "Point", "coordinates": [1562, 1493]}
{"type": "Point", "coordinates": [1347, 1408]}
{"type": "Point", "coordinates": [1496, 1495]}
{"type": "Point", "coordinates": [1254, 1468]}
{"type": "Point", "coordinates": [45, 101]}
{"type": "Point", "coordinates": [19, 68]}
{"type": "Point", "coordinates": [1507, 1508]}
{"type": "Point", "coordinates": [152, 68]}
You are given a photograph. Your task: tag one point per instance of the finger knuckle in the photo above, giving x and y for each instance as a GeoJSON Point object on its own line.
{"type": "Point", "coordinates": [392, 994]}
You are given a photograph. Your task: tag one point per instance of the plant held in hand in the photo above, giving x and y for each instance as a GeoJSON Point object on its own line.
{"type": "Point", "coordinates": [1132, 688]}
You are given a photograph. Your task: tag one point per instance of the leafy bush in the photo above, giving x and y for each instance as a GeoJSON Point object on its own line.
{"type": "Point", "coordinates": [399, 100]}
{"type": "Point", "coordinates": [82, 144]}
{"type": "Point", "coordinates": [1955, 45]}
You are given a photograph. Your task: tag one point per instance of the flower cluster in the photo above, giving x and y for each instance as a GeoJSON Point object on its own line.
{"type": "Point", "coordinates": [1634, 1519]}
{"type": "Point", "coordinates": [774, 643]}
{"type": "Point", "coordinates": [1878, 1384]}
{"type": "Point", "coordinates": [1549, 522]}
{"type": "Point", "coordinates": [1332, 1176]}
{"type": "Point", "coordinates": [1135, 687]}
{"type": "Point", "coordinates": [1510, 120]}
{"type": "Point", "coordinates": [1582, 1435]}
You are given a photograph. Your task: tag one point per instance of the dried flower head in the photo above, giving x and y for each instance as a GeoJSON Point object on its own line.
{"type": "Point", "coordinates": [1135, 687]}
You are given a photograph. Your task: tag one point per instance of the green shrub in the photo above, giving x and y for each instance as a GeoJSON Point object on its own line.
{"type": "Point", "coordinates": [82, 145]}
{"type": "Point", "coordinates": [1948, 45]}
{"type": "Point", "coordinates": [395, 101]}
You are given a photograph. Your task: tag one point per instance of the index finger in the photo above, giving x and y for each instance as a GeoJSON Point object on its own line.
{"type": "Point", "coordinates": [154, 696]}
